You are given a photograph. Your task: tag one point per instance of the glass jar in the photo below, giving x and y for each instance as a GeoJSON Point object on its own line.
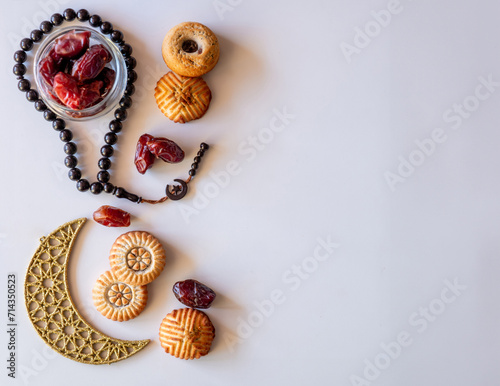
{"type": "Point", "coordinates": [110, 100]}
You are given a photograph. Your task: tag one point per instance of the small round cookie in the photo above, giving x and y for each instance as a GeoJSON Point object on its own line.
{"type": "Point", "coordinates": [117, 300]}
{"type": "Point", "coordinates": [187, 333]}
{"type": "Point", "coordinates": [190, 49]}
{"type": "Point", "coordinates": [137, 258]}
{"type": "Point", "coordinates": [182, 99]}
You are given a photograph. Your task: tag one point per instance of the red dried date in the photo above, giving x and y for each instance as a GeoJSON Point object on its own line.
{"type": "Point", "coordinates": [48, 69]}
{"type": "Point", "coordinates": [110, 216]}
{"type": "Point", "coordinates": [166, 150]}
{"type": "Point", "coordinates": [91, 63]}
{"type": "Point", "coordinates": [107, 76]}
{"type": "Point", "coordinates": [66, 89]}
{"type": "Point", "coordinates": [143, 157]}
{"type": "Point", "coordinates": [193, 294]}
{"type": "Point", "coordinates": [72, 44]}
{"type": "Point", "coordinates": [74, 96]}
{"type": "Point", "coordinates": [90, 93]}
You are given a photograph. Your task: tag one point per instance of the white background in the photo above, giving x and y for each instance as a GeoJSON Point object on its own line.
{"type": "Point", "coordinates": [356, 119]}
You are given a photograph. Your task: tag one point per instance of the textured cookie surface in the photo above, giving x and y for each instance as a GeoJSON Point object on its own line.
{"type": "Point", "coordinates": [137, 258]}
{"type": "Point", "coordinates": [190, 49]}
{"type": "Point", "coordinates": [182, 99]}
{"type": "Point", "coordinates": [117, 300]}
{"type": "Point", "coordinates": [187, 333]}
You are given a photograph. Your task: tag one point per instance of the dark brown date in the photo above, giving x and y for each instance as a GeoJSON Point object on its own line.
{"type": "Point", "coordinates": [193, 294]}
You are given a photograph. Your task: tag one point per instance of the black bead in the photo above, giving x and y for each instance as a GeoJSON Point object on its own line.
{"type": "Point", "coordinates": [24, 85]}
{"type": "Point", "coordinates": [194, 166]}
{"type": "Point", "coordinates": [197, 159]}
{"type": "Point", "coordinates": [69, 14]}
{"type": "Point", "coordinates": [65, 135]}
{"type": "Point", "coordinates": [109, 188]}
{"type": "Point", "coordinates": [130, 89]}
{"type": "Point", "coordinates": [201, 153]}
{"type": "Point", "coordinates": [204, 146]}
{"type": "Point", "coordinates": [106, 27]}
{"type": "Point", "coordinates": [96, 188]}
{"type": "Point", "coordinates": [74, 174]}
{"type": "Point", "coordinates": [46, 26]}
{"type": "Point", "coordinates": [40, 105]}
{"type": "Point", "coordinates": [131, 76]}
{"type": "Point", "coordinates": [115, 126]}
{"type": "Point", "coordinates": [31, 95]}
{"type": "Point", "coordinates": [70, 161]}
{"type": "Point", "coordinates": [126, 49]}
{"type": "Point", "coordinates": [131, 62]}
{"type": "Point", "coordinates": [83, 15]}
{"type": "Point", "coordinates": [103, 176]}
{"type": "Point", "coordinates": [82, 185]}
{"type": "Point", "coordinates": [70, 148]}
{"type": "Point", "coordinates": [26, 44]}
{"type": "Point", "coordinates": [192, 172]}
{"type": "Point", "coordinates": [104, 163]}
{"type": "Point", "coordinates": [20, 56]}
{"type": "Point", "coordinates": [126, 102]}
{"type": "Point", "coordinates": [117, 36]}
{"type": "Point", "coordinates": [49, 115]}
{"type": "Point", "coordinates": [36, 35]}
{"type": "Point", "coordinates": [59, 124]}
{"type": "Point", "coordinates": [57, 19]}
{"type": "Point", "coordinates": [110, 138]}
{"type": "Point", "coordinates": [19, 69]}
{"type": "Point", "coordinates": [120, 114]}
{"type": "Point", "coordinates": [95, 21]}
{"type": "Point", "coordinates": [107, 151]}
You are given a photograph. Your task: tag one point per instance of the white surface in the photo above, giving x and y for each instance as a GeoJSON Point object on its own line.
{"type": "Point", "coordinates": [322, 176]}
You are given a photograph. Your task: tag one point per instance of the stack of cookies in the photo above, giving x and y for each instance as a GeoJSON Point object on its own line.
{"type": "Point", "coordinates": [190, 50]}
{"type": "Point", "coordinates": [136, 259]}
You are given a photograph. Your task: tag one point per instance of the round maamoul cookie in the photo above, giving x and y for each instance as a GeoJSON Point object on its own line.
{"type": "Point", "coordinates": [187, 333]}
{"type": "Point", "coordinates": [137, 258]}
{"type": "Point", "coordinates": [190, 49]}
{"type": "Point", "coordinates": [182, 99]}
{"type": "Point", "coordinates": [117, 300]}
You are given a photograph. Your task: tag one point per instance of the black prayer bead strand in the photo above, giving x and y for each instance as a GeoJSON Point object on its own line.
{"type": "Point", "coordinates": [58, 124]}
{"type": "Point", "coordinates": [197, 159]}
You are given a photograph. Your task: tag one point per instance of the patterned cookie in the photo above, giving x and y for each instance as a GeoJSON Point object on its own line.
{"type": "Point", "coordinates": [117, 300]}
{"type": "Point", "coordinates": [190, 49]}
{"type": "Point", "coordinates": [182, 99]}
{"type": "Point", "coordinates": [187, 333]}
{"type": "Point", "coordinates": [137, 258]}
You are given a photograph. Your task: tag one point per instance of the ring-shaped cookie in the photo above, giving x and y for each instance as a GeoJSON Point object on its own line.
{"type": "Point", "coordinates": [190, 49]}
{"type": "Point", "coordinates": [137, 258]}
{"type": "Point", "coordinates": [117, 300]}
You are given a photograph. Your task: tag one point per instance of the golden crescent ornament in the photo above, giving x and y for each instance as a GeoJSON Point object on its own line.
{"type": "Point", "coordinates": [52, 311]}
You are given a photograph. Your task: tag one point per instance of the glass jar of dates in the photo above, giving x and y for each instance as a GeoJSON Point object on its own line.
{"type": "Point", "coordinates": [112, 78]}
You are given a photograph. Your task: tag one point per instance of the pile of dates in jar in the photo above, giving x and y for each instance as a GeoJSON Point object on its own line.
{"type": "Point", "coordinates": [75, 74]}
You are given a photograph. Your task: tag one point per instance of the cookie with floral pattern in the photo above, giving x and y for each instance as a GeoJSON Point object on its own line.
{"type": "Point", "coordinates": [137, 258]}
{"type": "Point", "coordinates": [117, 300]}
